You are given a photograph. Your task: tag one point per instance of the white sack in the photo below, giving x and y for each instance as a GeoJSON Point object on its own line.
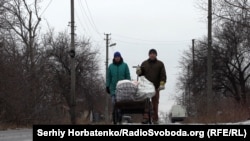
{"type": "Point", "coordinates": [145, 89]}
{"type": "Point", "coordinates": [126, 90]}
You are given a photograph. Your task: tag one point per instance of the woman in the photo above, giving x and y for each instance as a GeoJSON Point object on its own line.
{"type": "Point", "coordinates": [117, 70]}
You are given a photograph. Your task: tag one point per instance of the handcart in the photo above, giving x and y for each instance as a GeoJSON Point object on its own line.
{"type": "Point", "coordinates": [133, 107]}
{"type": "Point", "coordinates": [133, 98]}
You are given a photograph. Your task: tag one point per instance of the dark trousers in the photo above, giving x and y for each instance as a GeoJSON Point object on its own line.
{"type": "Point", "coordinates": [155, 105]}
{"type": "Point", "coordinates": [155, 102]}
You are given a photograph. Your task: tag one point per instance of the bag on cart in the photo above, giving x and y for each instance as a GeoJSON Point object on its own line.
{"type": "Point", "coordinates": [145, 89]}
{"type": "Point", "coordinates": [126, 91]}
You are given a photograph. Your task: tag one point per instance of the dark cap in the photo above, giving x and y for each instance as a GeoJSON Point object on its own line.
{"type": "Point", "coordinates": [117, 54]}
{"type": "Point", "coordinates": [152, 51]}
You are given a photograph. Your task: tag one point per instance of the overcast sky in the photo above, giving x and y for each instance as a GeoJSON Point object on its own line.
{"type": "Point", "coordinates": [135, 26]}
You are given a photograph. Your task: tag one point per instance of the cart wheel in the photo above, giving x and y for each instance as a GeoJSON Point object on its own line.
{"type": "Point", "coordinates": [117, 116]}
{"type": "Point", "coordinates": [150, 111]}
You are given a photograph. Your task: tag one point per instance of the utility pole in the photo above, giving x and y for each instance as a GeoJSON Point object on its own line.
{"type": "Point", "coordinates": [193, 76]}
{"type": "Point", "coordinates": [209, 56]}
{"type": "Point", "coordinates": [107, 63]}
{"type": "Point", "coordinates": [193, 54]}
{"type": "Point", "coordinates": [72, 70]}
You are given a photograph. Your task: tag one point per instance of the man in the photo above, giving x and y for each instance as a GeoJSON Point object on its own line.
{"type": "Point", "coordinates": [117, 70]}
{"type": "Point", "coordinates": [154, 70]}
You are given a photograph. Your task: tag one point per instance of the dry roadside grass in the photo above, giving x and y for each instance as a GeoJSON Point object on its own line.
{"type": "Point", "coordinates": [227, 113]}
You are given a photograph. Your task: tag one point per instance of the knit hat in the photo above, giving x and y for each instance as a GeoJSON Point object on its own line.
{"type": "Point", "coordinates": [152, 51]}
{"type": "Point", "coordinates": [117, 54]}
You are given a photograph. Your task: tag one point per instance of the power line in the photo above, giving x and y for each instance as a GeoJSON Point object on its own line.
{"type": "Point", "coordinates": [46, 7]}
{"type": "Point", "coordinates": [140, 39]}
{"type": "Point", "coordinates": [91, 17]}
{"type": "Point", "coordinates": [88, 18]}
{"type": "Point", "coordinates": [151, 42]}
{"type": "Point", "coordinates": [82, 25]}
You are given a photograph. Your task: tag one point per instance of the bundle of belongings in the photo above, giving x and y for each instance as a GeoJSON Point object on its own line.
{"type": "Point", "coordinates": [127, 90]}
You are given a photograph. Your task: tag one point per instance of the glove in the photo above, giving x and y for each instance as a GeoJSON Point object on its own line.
{"type": "Point", "coordinates": [138, 70]}
{"type": "Point", "coordinates": [107, 90]}
{"type": "Point", "coordinates": [162, 86]}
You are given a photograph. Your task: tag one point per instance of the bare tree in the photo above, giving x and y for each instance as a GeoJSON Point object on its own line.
{"type": "Point", "coordinates": [230, 58]}
{"type": "Point", "coordinates": [233, 44]}
{"type": "Point", "coordinates": [89, 84]}
{"type": "Point", "coordinates": [34, 71]}
{"type": "Point", "coordinates": [21, 54]}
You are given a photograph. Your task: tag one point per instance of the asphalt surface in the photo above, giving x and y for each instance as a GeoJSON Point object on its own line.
{"type": "Point", "coordinates": [16, 135]}
{"type": "Point", "coordinates": [25, 134]}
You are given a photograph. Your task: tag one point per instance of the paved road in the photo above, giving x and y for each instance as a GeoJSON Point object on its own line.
{"type": "Point", "coordinates": [24, 134]}
{"type": "Point", "coordinates": [16, 135]}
